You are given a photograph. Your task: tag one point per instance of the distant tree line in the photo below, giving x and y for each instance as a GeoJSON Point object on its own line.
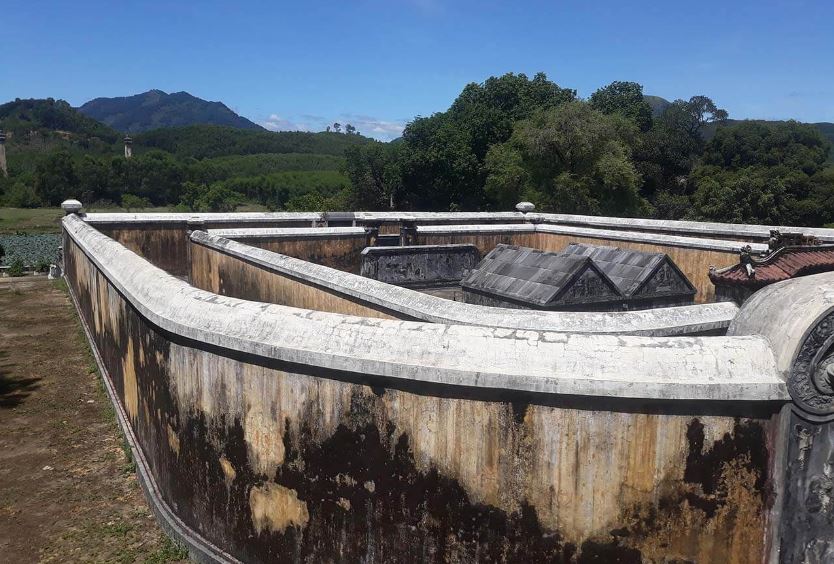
{"type": "Point", "coordinates": [512, 138]}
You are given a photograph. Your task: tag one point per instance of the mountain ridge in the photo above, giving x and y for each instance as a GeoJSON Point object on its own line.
{"type": "Point", "coordinates": [156, 109]}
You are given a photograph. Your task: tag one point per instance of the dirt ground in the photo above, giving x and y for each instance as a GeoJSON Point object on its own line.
{"type": "Point", "coordinates": [68, 490]}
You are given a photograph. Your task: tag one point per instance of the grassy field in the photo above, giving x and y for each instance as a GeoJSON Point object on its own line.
{"type": "Point", "coordinates": [38, 220]}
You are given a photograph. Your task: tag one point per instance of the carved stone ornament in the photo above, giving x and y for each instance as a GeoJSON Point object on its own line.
{"type": "Point", "coordinates": [811, 382]}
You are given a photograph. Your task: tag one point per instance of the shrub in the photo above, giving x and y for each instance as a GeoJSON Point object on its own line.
{"type": "Point", "coordinates": [130, 201]}
{"type": "Point", "coordinates": [16, 268]}
{"type": "Point", "coordinates": [42, 265]}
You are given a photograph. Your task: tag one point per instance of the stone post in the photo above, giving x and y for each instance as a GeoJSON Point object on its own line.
{"type": "Point", "coordinates": [128, 147]}
{"type": "Point", "coordinates": [4, 170]}
{"type": "Point", "coordinates": [408, 233]}
{"type": "Point", "coordinates": [71, 206]}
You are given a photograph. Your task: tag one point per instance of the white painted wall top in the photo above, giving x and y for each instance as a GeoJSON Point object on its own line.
{"type": "Point", "coordinates": [288, 232]}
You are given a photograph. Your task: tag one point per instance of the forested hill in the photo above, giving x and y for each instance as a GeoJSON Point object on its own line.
{"type": "Point", "coordinates": [155, 109]}
{"type": "Point", "coordinates": [659, 105]}
{"type": "Point", "coordinates": [202, 141]}
{"type": "Point", "coordinates": [51, 118]}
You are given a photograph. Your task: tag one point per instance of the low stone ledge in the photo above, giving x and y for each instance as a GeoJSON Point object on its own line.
{"type": "Point", "coordinates": [289, 232]}
{"type": "Point", "coordinates": [672, 368]}
{"type": "Point", "coordinates": [712, 229]}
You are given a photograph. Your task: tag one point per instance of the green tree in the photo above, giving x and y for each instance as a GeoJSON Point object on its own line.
{"type": "Point", "coordinates": [55, 178]}
{"type": "Point", "coordinates": [442, 158]}
{"type": "Point", "coordinates": [570, 159]}
{"type": "Point", "coordinates": [132, 202]}
{"type": "Point", "coordinates": [755, 172]}
{"type": "Point", "coordinates": [666, 154]}
{"type": "Point", "coordinates": [374, 175]}
{"type": "Point", "coordinates": [626, 99]}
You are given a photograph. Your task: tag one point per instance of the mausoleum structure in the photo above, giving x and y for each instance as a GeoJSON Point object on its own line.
{"type": "Point", "coordinates": [521, 277]}
{"type": "Point", "coordinates": [645, 279]}
{"type": "Point", "coordinates": [281, 407]}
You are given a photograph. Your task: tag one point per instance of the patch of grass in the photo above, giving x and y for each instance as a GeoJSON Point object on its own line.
{"type": "Point", "coordinates": [36, 220]}
{"type": "Point", "coordinates": [168, 552]}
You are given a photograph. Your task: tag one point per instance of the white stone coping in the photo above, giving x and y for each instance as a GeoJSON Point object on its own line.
{"type": "Point", "coordinates": [236, 217]}
{"type": "Point", "coordinates": [632, 236]}
{"type": "Point", "coordinates": [652, 238]}
{"type": "Point", "coordinates": [723, 230]}
{"type": "Point", "coordinates": [619, 366]}
{"type": "Point", "coordinates": [417, 305]}
{"type": "Point", "coordinates": [478, 228]}
{"type": "Point", "coordinates": [289, 232]}
{"type": "Point", "coordinates": [729, 230]}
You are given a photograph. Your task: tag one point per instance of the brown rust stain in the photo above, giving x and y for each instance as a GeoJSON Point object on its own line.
{"type": "Point", "coordinates": [173, 439]}
{"type": "Point", "coordinates": [274, 508]}
{"type": "Point", "coordinates": [131, 391]}
{"type": "Point", "coordinates": [229, 472]}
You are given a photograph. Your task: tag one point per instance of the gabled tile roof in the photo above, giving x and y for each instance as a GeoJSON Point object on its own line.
{"type": "Point", "coordinates": [537, 277]}
{"type": "Point", "coordinates": [632, 271]}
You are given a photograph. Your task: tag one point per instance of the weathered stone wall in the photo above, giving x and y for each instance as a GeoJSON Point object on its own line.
{"type": "Point", "coordinates": [339, 251]}
{"type": "Point", "coordinates": [268, 458]}
{"type": "Point", "coordinates": [232, 268]}
{"type": "Point", "coordinates": [230, 276]}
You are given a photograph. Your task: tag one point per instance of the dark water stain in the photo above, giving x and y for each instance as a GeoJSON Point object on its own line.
{"type": "Point", "coordinates": [747, 442]}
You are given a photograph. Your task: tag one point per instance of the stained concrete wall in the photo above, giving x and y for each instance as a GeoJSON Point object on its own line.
{"type": "Point", "coordinates": [275, 432]}
{"type": "Point", "coordinates": [336, 247]}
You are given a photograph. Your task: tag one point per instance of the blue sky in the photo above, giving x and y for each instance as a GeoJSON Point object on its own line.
{"type": "Point", "coordinates": [379, 63]}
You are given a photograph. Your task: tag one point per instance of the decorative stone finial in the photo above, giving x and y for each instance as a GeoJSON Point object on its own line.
{"type": "Point", "coordinates": [71, 206]}
{"type": "Point", "coordinates": [525, 207]}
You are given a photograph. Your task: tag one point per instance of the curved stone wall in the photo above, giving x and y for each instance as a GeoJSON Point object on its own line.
{"type": "Point", "coordinates": [234, 269]}
{"type": "Point", "coordinates": [272, 431]}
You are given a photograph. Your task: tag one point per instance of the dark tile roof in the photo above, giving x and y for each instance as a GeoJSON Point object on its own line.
{"type": "Point", "coordinates": [782, 264]}
{"type": "Point", "coordinates": [534, 276]}
{"type": "Point", "coordinates": [629, 270]}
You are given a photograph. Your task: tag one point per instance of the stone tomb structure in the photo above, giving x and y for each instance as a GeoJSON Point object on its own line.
{"type": "Point", "coordinates": [521, 277]}
{"type": "Point", "coordinates": [581, 276]}
{"type": "Point", "coordinates": [419, 266]}
{"type": "Point", "coordinates": [646, 280]}
{"type": "Point", "coordinates": [279, 409]}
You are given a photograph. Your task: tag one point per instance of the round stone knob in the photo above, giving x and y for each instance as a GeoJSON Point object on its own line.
{"type": "Point", "coordinates": [71, 206]}
{"type": "Point", "coordinates": [525, 207]}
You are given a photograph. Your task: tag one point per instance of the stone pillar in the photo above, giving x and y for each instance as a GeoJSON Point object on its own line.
{"type": "Point", "coordinates": [408, 233]}
{"type": "Point", "coordinates": [4, 170]}
{"type": "Point", "coordinates": [128, 147]}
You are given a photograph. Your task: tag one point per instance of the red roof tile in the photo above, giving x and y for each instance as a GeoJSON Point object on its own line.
{"type": "Point", "coordinates": [785, 263]}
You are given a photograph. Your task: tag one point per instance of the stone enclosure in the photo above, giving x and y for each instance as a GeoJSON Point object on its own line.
{"type": "Point", "coordinates": [281, 407]}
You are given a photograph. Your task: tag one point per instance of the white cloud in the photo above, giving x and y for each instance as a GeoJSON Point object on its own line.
{"type": "Point", "coordinates": [384, 130]}
{"type": "Point", "coordinates": [276, 123]}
